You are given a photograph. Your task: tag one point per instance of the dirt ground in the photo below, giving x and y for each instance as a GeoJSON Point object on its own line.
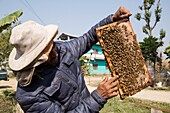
{"type": "Point", "coordinates": [10, 84]}
{"type": "Point", "coordinates": [92, 82]}
{"type": "Point", "coordinates": [153, 95]}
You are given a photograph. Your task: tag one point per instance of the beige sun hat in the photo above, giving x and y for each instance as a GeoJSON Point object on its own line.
{"type": "Point", "coordinates": [29, 39]}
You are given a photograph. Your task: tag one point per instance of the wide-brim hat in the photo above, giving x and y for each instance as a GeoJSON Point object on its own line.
{"type": "Point", "coordinates": [29, 39]}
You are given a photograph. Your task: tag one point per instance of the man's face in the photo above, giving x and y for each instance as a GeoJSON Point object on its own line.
{"type": "Point", "coordinates": [50, 52]}
{"type": "Point", "coordinates": [53, 57]}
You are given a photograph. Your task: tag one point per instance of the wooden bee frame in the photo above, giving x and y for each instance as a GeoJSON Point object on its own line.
{"type": "Point", "coordinates": [124, 57]}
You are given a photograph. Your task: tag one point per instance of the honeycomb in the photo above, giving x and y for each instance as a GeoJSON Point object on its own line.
{"type": "Point", "coordinates": [124, 57]}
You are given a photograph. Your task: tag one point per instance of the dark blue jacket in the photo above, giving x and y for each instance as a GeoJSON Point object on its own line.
{"type": "Point", "coordinates": [62, 89]}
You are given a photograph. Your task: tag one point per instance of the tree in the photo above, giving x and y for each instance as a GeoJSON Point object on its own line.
{"type": "Point", "coordinates": [150, 43]}
{"type": "Point", "coordinates": [5, 48]}
{"type": "Point", "coordinates": [149, 48]}
{"type": "Point", "coordinates": [5, 32]}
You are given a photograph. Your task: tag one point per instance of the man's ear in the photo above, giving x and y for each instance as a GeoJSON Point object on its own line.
{"type": "Point", "coordinates": [48, 49]}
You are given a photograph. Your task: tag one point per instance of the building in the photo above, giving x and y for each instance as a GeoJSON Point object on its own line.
{"type": "Point", "coordinates": [95, 57]}
{"type": "Point", "coordinates": [97, 60]}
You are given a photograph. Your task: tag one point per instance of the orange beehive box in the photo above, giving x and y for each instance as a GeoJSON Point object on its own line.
{"type": "Point", "coordinates": [124, 57]}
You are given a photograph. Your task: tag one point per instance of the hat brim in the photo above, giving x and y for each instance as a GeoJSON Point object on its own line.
{"type": "Point", "coordinates": [23, 61]}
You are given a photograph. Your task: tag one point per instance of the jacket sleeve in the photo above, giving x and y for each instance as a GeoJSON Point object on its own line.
{"type": "Point", "coordinates": [84, 43]}
{"type": "Point", "coordinates": [91, 104]}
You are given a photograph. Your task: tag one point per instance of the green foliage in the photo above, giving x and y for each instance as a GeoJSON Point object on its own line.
{"type": "Point", "coordinates": [9, 93]}
{"type": "Point", "coordinates": [85, 65]}
{"type": "Point", "coordinates": [9, 19]}
{"type": "Point", "coordinates": [167, 52]}
{"type": "Point", "coordinates": [8, 102]}
{"type": "Point", "coordinates": [148, 4]}
{"type": "Point", "coordinates": [145, 29]}
{"type": "Point", "coordinates": [5, 47]}
{"type": "Point", "coordinates": [162, 34]}
{"type": "Point", "coordinates": [149, 48]}
{"type": "Point", "coordinates": [138, 16]}
{"type": "Point", "coordinates": [158, 11]}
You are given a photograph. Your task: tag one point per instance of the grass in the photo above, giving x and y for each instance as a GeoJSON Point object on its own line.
{"type": "Point", "coordinates": [7, 102]}
{"type": "Point", "coordinates": [129, 105]}
{"type": "Point", "coordinates": [114, 105]}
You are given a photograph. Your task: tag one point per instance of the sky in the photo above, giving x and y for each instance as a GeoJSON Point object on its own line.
{"type": "Point", "coordinates": [76, 17]}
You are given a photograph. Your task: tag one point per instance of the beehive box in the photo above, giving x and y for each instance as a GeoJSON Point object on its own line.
{"type": "Point", "coordinates": [124, 57]}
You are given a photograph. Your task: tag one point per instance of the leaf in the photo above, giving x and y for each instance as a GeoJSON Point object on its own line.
{"type": "Point", "coordinates": [9, 19]}
{"type": "Point", "coordinates": [141, 7]}
{"type": "Point", "coordinates": [145, 29]}
{"type": "Point", "coordinates": [167, 52]}
{"type": "Point", "coordinates": [162, 34]}
{"type": "Point", "coordinates": [138, 16]}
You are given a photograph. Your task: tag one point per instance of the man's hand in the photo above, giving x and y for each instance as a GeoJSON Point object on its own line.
{"type": "Point", "coordinates": [108, 88]}
{"type": "Point", "coordinates": [121, 13]}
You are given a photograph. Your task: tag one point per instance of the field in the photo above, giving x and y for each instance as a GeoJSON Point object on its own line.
{"type": "Point", "coordinates": [114, 105]}
{"type": "Point", "coordinates": [131, 105]}
{"type": "Point", "coordinates": [7, 101]}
